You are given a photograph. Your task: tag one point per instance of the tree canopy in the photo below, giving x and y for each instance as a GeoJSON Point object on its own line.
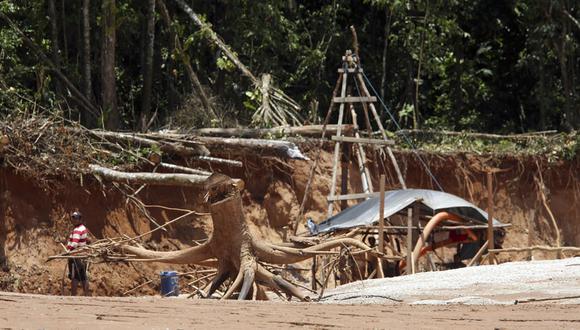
{"type": "Point", "coordinates": [480, 65]}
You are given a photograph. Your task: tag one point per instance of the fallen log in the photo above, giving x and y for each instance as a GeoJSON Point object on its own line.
{"type": "Point", "coordinates": [235, 146]}
{"type": "Point", "coordinates": [192, 148]}
{"type": "Point", "coordinates": [485, 136]}
{"type": "Point", "coordinates": [308, 131]}
{"type": "Point", "coordinates": [232, 146]}
{"type": "Point", "coordinates": [184, 169]}
{"type": "Point", "coordinates": [222, 161]}
{"type": "Point", "coordinates": [156, 179]}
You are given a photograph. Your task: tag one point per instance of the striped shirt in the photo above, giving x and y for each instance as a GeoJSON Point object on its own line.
{"type": "Point", "coordinates": [77, 238]}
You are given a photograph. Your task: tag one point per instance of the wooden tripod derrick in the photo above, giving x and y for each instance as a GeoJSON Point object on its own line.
{"type": "Point", "coordinates": [350, 66]}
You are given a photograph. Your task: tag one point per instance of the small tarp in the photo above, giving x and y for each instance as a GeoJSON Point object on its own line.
{"type": "Point", "coordinates": [431, 202]}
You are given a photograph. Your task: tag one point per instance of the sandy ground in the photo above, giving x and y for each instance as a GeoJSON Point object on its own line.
{"type": "Point", "coordinates": [52, 312]}
{"type": "Point", "coordinates": [487, 284]}
{"type": "Point", "coordinates": [481, 298]}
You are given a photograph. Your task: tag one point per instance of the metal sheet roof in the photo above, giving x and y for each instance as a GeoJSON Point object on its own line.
{"type": "Point", "coordinates": [432, 201]}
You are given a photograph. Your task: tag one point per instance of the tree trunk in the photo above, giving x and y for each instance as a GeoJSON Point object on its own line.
{"type": "Point", "coordinates": [458, 74]}
{"type": "Point", "coordinates": [216, 40]}
{"type": "Point", "coordinates": [567, 62]}
{"type": "Point", "coordinates": [111, 117]}
{"type": "Point", "coordinates": [388, 15]}
{"type": "Point", "coordinates": [195, 83]}
{"type": "Point", "coordinates": [86, 117]}
{"type": "Point", "coordinates": [82, 100]}
{"type": "Point", "coordinates": [157, 179]}
{"type": "Point", "coordinates": [191, 148]}
{"type": "Point", "coordinates": [148, 66]}
{"type": "Point", "coordinates": [171, 63]}
{"type": "Point", "coordinates": [256, 147]}
{"type": "Point", "coordinates": [64, 31]}
{"type": "Point", "coordinates": [543, 97]}
{"type": "Point", "coordinates": [416, 112]}
{"type": "Point", "coordinates": [87, 82]}
{"type": "Point", "coordinates": [307, 130]}
{"type": "Point", "coordinates": [54, 39]}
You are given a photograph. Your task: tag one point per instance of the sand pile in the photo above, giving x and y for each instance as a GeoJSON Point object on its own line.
{"type": "Point", "coordinates": [489, 284]}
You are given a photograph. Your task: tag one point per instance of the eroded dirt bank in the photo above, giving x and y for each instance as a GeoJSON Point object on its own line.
{"type": "Point", "coordinates": [34, 218]}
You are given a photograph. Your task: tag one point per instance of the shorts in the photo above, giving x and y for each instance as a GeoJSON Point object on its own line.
{"type": "Point", "coordinates": [77, 270]}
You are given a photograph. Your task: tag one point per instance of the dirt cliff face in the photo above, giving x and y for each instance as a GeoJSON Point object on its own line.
{"type": "Point", "coordinates": [34, 218]}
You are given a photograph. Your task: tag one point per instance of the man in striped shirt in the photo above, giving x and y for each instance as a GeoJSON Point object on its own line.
{"type": "Point", "coordinates": [77, 268]}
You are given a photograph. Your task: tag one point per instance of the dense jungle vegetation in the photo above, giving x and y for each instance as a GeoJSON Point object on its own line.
{"type": "Point", "coordinates": [478, 65]}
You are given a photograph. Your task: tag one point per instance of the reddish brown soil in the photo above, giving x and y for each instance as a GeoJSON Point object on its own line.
{"type": "Point", "coordinates": [33, 220]}
{"type": "Point", "coordinates": [49, 312]}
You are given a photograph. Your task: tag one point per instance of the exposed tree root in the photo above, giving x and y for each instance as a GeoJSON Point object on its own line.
{"type": "Point", "coordinates": [238, 252]}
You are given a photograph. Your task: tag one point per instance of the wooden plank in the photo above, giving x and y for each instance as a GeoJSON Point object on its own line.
{"type": "Point", "coordinates": [362, 140]}
{"type": "Point", "coordinates": [351, 196]}
{"type": "Point", "coordinates": [351, 70]}
{"type": "Point", "coordinates": [355, 99]}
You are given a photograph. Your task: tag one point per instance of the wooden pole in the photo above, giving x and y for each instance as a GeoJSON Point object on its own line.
{"type": "Point", "coordinates": [381, 226]}
{"type": "Point", "coordinates": [409, 268]}
{"type": "Point", "coordinates": [298, 217]}
{"type": "Point", "coordinates": [314, 266]}
{"type": "Point", "coordinates": [366, 181]}
{"type": "Point", "coordinates": [337, 145]}
{"type": "Point", "coordinates": [475, 260]}
{"type": "Point", "coordinates": [530, 235]}
{"type": "Point", "coordinates": [415, 234]}
{"type": "Point", "coordinates": [345, 163]}
{"type": "Point", "coordinates": [381, 128]}
{"type": "Point", "coordinates": [538, 248]}
{"type": "Point", "coordinates": [490, 243]}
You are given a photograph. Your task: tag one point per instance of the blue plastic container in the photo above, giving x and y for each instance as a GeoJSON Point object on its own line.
{"type": "Point", "coordinates": [169, 283]}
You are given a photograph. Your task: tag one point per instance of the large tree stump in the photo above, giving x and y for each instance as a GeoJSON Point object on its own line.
{"type": "Point", "coordinates": [239, 255]}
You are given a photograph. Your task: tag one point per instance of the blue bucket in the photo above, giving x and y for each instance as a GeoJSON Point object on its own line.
{"type": "Point", "coordinates": [169, 284]}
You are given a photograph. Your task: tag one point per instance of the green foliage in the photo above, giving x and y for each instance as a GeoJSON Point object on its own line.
{"type": "Point", "coordinates": [253, 100]}
{"type": "Point", "coordinates": [554, 147]}
{"type": "Point", "coordinates": [224, 63]}
{"type": "Point", "coordinates": [484, 65]}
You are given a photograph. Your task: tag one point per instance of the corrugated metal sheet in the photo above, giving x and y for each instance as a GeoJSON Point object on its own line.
{"type": "Point", "coordinates": [431, 201]}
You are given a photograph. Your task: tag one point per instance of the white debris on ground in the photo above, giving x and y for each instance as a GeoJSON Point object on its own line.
{"type": "Point", "coordinates": [489, 284]}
